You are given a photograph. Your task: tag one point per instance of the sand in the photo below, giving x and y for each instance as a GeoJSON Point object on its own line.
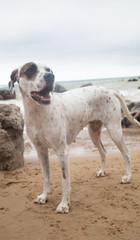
{"type": "Point", "coordinates": [101, 208]}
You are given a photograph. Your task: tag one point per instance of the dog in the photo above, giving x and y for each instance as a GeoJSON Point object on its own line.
{"type": "Point", "coordinates": [54, 120]}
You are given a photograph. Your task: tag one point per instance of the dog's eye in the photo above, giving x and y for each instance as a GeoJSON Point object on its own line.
{"type": "Point", "coordinates": [29, 70]}
{"type": "Point", "coordinates": [32, 70]}
{"type": "Point", "coordinates": [48, 69]}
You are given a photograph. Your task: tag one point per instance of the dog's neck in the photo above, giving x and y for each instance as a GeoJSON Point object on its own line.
{"type": "Point", "coordinates": [31, 106]}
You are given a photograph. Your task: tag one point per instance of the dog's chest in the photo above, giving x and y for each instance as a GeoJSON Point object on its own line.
{"type": "Point", "coordinates": [40, 136]}
{"type": "Point", "coordinates": [43, 129]}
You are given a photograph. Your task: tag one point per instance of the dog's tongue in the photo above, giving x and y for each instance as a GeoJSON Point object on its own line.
{"type": "Point", "coordinates": [42, 97]}
{"type": "Point", "coordinates": [39, 97]}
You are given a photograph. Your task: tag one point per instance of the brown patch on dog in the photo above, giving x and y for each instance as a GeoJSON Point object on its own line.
{"type": "Point", "coordinates": [29, 71]}
{"type": "Point", "coordinates": [95, 125]}
{"type": "Point", "coordinates": [103, 146]}
{"type": "Point", "coordinates": [63, 172]}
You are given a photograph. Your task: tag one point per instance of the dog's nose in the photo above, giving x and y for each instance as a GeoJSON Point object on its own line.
{"type": "Point", "coordinates": [49, 78]}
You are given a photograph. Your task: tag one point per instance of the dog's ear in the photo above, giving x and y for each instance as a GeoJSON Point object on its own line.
{"type": "Point", "coordinates": [14, 78]}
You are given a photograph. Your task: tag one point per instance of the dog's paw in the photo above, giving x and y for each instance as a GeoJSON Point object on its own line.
{"type": "Point", "coordinates": [63, 207]}
{"type": "Point", "coordinates": [100, 173]}
{"type": "Point", "coordinates": [125, 179]}
{"type": "Point", "coordinates": [41, 199]}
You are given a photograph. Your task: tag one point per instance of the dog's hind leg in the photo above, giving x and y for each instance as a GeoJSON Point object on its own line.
{"type": "Point", "coordinates": [115, 130]}
{"type": "Point", "coordinates": [44, 161]}
{"type": "Point", "coordinates": [94, 129]}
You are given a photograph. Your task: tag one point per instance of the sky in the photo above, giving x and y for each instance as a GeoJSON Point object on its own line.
{"type": "Point", "coordinates": [77, 39]}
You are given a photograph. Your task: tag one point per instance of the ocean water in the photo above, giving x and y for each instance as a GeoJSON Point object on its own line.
{"type": "Point", "coordinates": [128, 89]}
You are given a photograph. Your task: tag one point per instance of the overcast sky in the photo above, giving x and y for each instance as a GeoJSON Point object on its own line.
{"type": "Point", "coordinates": [78, 39]}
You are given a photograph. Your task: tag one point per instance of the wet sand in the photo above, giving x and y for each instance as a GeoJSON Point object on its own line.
{"type": "Point", "coordinates": [101, 208]}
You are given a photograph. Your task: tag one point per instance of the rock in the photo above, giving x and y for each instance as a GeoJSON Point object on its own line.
{"type": "Point", "coordinates": [5, 94]}
{"type": "Point", "coordinates": [59, 88]}
{"type": "Point", "coordinates": [133, 80]}
{"type": "Point", "coordinates": [134, 109]}
{"type": "Point", "coordinates": [139, 87]}
{"type": "Point", "coordinates": [11, 137]}
{"type": "Point", "coordinates": [86, 85]}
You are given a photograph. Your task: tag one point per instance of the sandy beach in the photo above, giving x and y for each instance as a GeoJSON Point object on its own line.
{"type": "Point", "coordinates": [101, 208]}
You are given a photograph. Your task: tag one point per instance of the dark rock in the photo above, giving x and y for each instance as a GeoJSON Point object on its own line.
{"type": "Point", "coordinates": [133, 80]}
{"type": "Point", "coordinates": [125, 122]}
{"type": "Point", "coordinates": [139, 87]}
{"type": "Point", "coordinates": [5, 95]}
{"type": "Point", "coordinates": [134, 109]}
{"type": "Point", "coordinates": [11, 137]}
{"type": "Point", "coordinates": [59, 88]}
{"type": "Point", "coordinates": [86, 85]}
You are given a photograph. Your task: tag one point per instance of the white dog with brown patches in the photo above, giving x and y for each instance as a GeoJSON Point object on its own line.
{"type": "Point", "coordinates": [54, 121]}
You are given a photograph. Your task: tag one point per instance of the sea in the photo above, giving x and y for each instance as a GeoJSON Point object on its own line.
{"type": "Point", "coordinates": [129, 89]}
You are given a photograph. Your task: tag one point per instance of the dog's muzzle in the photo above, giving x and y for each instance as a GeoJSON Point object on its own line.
{"type": "Point", "coordinates": [44, 96]}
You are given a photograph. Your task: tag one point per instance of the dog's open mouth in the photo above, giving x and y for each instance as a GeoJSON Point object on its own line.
{"type": "Point", "coordinates": [42, 97]}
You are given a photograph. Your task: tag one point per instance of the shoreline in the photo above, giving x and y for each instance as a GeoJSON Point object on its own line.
{"type": "Point", "coordinates": [84, 146]}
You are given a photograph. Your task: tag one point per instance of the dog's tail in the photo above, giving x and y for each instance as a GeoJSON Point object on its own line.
{"type": "Point", "coordinates": [125, 108]}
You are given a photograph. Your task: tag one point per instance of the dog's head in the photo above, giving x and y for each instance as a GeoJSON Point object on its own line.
{"type": "Point", "coordinates": [35, 80]}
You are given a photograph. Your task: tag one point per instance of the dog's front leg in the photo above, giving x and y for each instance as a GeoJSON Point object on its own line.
{"type": "Point", "coordinates": [44, 160]}
{"type": "Point", "coordinates": [64, 206]}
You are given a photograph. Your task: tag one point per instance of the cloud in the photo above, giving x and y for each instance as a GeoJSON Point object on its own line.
{"type": "Point", "coordinates": [84, 33]}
